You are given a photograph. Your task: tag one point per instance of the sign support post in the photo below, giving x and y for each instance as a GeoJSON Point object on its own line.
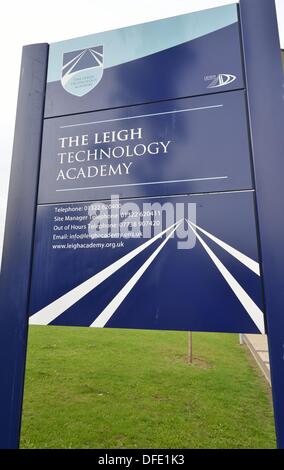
{"type": "Point", "coordinates": [264, 76]}
{"type": "Point", "coordinates": [18, 241]}
{"type": "Point", "coordinates": [189, 347]}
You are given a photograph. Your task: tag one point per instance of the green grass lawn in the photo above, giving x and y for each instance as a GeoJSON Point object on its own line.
{"type": "Point", "coordinates": [90, 388]}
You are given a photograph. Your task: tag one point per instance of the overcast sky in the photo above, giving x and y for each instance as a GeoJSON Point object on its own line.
{"type": "Point", "coordinates": [32, 21]}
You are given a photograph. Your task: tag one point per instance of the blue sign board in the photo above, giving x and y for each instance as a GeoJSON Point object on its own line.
{"type": "Point", "coordinates": [185, 146]}
{"type": "Point", "coordinates": [152, 276]}
{"type": "Point", "coordinates": [148, 172]}
{"type": "Point", "coordinates": [187, 55]}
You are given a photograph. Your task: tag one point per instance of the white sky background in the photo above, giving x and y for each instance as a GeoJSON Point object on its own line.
{"type": "Point", "coordinates": [32, 21]}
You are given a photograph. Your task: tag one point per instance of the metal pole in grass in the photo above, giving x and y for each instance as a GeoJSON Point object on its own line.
{"type": "Point", "coordinates": [189, 352]}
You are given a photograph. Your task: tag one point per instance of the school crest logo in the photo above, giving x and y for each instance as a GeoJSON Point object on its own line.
{"type": "Point", "coordinates": [82, 70]}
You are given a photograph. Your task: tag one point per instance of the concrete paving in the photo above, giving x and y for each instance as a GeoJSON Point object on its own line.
{"type": "Point", "coordinates": [257, 345]}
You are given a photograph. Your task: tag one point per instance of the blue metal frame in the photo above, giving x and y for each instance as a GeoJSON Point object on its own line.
{"type": "Point", "coordinates": [264, 77]}
{"type": "Point", "coordinates": [18, 240]}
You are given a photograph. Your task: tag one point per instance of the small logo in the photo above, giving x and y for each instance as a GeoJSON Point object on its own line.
{"type": "Point", "coordinates": [222, 79]}
{"type": "Point", "coordinates": [82, 70]}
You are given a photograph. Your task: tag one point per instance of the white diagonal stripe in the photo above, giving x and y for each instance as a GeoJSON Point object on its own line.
{"type": "Point", "coordinates": [253, 310]}
{"type": "Point", "coordinates": [96, 52]}
{"type": "Point", "coordinates": [110, 309]}
{"type": "Point", "coordinates": [248, 262]}
{"type": "Point", "coordinates": [72, 60]}
{"type": "Point", "coordinates": [49, 313]}
{"type": "Point", "coordinates": [96, 57]}
{"type": "Point", "coordinates": [65, 78]}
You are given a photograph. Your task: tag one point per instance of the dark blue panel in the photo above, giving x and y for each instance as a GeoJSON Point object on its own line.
{"type": "Point", "coordinates": [264, 83]}
{"type": "Point", "coordinates": [184, 146]}
{"type": "Point", "coordinates": [184, 70]}
{"type": "Point", "coordinates": [182, 288]}
{"type": "Point", "coordinates": [17, 250]}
